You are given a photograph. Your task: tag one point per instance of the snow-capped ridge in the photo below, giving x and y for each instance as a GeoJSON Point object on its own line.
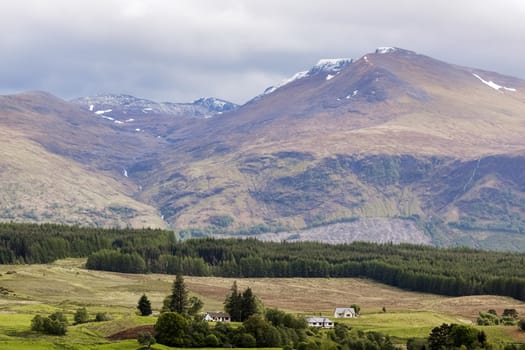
{"type": "Point", "coordinates": [385, 50]}
{"type": "Point", "coordinates": [126, 106]}
{"type": "Point", "coordinates": [215, 104]}
{"type": "Point", "coordinates": [330, 66]}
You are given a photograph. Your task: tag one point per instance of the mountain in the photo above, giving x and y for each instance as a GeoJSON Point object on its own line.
{"type": "Point", "coordinates": [123, 106]}
{"type": "Point", "coordinates": [48, 174]}
{"type": "Point", "coordinates": [394, 134]}
{"type": "Point", "coordinates": [392, 146]}
{"type": "Point", "coordinates": [129, 112]}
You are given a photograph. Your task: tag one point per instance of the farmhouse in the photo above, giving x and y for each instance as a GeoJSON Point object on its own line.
{"type": "Point", "coordinates": [217, 316]}
{"type": "Point", "coordinates": [345, 312]}
{"type": "Point", "coordinates": [320, 322]}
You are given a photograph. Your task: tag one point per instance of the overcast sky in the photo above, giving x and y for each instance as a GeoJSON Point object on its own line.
{"type": "Point", "coordinates": [180, 50]}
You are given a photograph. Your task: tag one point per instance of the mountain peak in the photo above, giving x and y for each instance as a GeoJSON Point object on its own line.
{"type": "Point", "coordinates": [388, 50]}
{"type": "Point", "coordinates": [215, 105]}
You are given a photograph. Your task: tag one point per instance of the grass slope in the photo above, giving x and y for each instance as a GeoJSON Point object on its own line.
{"type": "Point", "coordinates": [66, 286]}
{"type": "Point", "coordinates": [38, 186]}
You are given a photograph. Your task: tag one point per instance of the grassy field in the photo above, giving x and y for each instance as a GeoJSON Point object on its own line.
{"type": "Point", "coordinates": [66, 286]}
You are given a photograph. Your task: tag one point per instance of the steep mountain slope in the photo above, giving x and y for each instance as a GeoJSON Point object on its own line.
{"type": "Point", "coordinates": [391, 146]}
{"type": "Point", "coordinates": [40, 181]}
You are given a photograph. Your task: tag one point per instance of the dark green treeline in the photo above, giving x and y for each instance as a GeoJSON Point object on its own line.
{"type": "Point", "coordinates": [455, 271]}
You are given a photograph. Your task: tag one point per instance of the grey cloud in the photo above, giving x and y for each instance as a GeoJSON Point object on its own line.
{"type": "Point", "coordinates": [234, 49]}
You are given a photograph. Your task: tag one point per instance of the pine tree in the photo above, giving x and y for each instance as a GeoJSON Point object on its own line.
{"type": "Point", "coordinates": [144, 306]}
{"type": "Point", "coordinates": [233, 303]}
{"type": "Point", "coordinates": [179, 296]}
{"type": "Point", "coordinates": [248, 304]}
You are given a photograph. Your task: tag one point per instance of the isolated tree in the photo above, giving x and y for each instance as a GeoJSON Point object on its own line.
{"type": "Point", "coordinates": [179, 296]}
{"type": "Point", "coordinates": [356, 308]}
{"type": "Point", "coordinates": [81, 316]}
{"type": "Point", "coordinates": [144, 306]}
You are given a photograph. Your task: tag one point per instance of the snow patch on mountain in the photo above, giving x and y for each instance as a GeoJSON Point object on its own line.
{"type": "Point", "coordinates": [331, 66]}
{"type": "Point", "coordinates": [493, 84]}
{"type": "Point", "coordinates": [103, 111]}
{"type": "Point", "coordinates": [385, 49]}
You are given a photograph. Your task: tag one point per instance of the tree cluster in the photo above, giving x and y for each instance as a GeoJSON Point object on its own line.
{"type": "Point", "coordinates": [116, 261]}
{"type": "Point", "coordinates": [179, 325]}
{"type": "Point", "coordinates": [452, 336]}
{"type": "Point", "coordinates": [454, 271]}
{"type": "Point", "coordinates": [174, 329]}
{"type": "Point", "coordinates": [509, 317]}
{"type": "Point", "coordinates": [239, 305]}
{"type": "Point", "coordinates": [44, 243]}
{"type": "Point", "coordinates": [343, 338]}
{"type": "Point", "coordinates": [54, 324]}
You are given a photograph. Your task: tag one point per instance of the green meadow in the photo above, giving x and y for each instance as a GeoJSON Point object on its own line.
{"type": "Point", "coordinates": [66, 286]}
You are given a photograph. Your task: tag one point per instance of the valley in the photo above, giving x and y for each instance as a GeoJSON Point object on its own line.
{"type": "Point", "coordinates": [66, 285]}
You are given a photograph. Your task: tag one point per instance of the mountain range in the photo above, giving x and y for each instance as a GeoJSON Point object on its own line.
{"type": "Point", "coordinates": [393, 146]}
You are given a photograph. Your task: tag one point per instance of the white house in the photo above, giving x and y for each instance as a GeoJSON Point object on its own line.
{"type": "Point", "coordinates": [345, 312]}
{"type": "Point", "coordinates": [320, 322]}
{"type": "Point", "coordinates": [217, 316]}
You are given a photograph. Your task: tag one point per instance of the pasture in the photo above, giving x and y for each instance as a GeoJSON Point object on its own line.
{"type": "Point", "coordinates": [66, 286]}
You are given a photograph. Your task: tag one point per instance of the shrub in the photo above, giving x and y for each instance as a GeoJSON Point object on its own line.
{"type": "Point", "coordinates": [37, 323]}
{"type": "Point", "coordinates": [103, 316]}
{"type": "Point", "coordinates": [246, 340]}
{"type": "Point", "coordinates": [81, 316]}
{"type": "Point", "coordinates": [146, 339]}
{"type": "Point", "coordinates": [211, 340]}
{"type": "Point", "coordinates": [521, 324]}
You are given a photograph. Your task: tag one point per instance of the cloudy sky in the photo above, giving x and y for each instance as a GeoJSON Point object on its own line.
{"type": "Point", "coordinates": [180, 50]}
